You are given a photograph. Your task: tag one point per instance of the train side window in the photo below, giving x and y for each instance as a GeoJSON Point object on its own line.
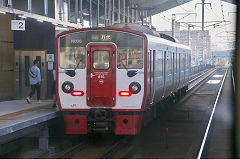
{"type": "Point", "coordinates": [159, 63]}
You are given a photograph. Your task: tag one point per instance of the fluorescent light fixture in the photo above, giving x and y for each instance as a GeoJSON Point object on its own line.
{"type": "Point", "coordinates": [85, 13]}
{"type": "Point", "coordinates": [21, 16]}
{"type": "Point", "coordinates": [39, 20]}
{"type": "Point", "coordinates": [2, 12]}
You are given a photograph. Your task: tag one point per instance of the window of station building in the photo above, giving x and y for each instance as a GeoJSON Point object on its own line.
{"type": "Point", "coordinates": [72, 51]}
{"type": "Point", "coordinates": [131, 58]}
{"type": "Point", "coordinates": [101, 60]}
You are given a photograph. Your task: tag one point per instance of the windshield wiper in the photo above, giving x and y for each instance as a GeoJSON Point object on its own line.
{"type": "Point", "coordinates": [72, 73]}
{"type": "Point", "coordinates": [130, 73]}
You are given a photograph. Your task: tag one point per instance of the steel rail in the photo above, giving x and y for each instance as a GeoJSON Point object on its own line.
{"type": "Point", "coordinates": [210, 120]}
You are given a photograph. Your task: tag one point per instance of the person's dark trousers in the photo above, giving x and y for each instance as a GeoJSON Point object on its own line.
{"type": "Point", "coordinates": [38, 88]}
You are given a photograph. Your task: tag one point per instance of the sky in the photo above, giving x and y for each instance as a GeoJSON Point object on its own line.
{"type": "Point", "coordinates": [220, 39]}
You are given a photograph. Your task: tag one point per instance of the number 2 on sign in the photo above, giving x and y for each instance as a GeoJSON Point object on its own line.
{"type": "Point", "coordinates": [20, 25]}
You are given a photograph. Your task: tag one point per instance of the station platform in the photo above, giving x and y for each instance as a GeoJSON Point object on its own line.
{"type": "Point", "coordinates": [220, 138]}
{"type": "Point", "coordinates": [18, 118]}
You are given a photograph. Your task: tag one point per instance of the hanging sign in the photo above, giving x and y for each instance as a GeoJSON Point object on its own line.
{"type": "Point", "coordinates": [18, 25]}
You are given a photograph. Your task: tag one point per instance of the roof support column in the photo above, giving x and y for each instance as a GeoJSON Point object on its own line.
{"type": "Point", "coordinates": [136, 14]}
{"type": "Point", "coordinates": [90, 13]}
{"type": "Point", "coordinates": [132, 13]}
{"type": "Point", "coordinates": [76, 11]}
{"type": "Point", "coordinates": [128, 14]}
{"type": "Point", "coordinates": [123, 11]}
{"type": "Point", "coordinates": [119, 7]}
{"type": "Point", "coordinates": [146, 19]}
{"type": "Point", "coordinates": [30, 6]}
{"type": "Point", "coordinates": [68, 5]}
{"type": "Point", "coordinates": [2, 3]}
{"type": "Point", "coordinates": [105, 13]}
{"type": "Point", "coordinates": [81, 13]}
{"type": "Point", "coordinates": [9, 4]}
{"type": "Point", "coordinates": [109, 12]}
{"type": "Point", "coordinates": [60, 9]}
{"type": "Point", "coordinates": [113, 8]}
{"type": "Point", "coordinates": [46, 7]}
{"type": "Point", "coordinates": [97, 13]}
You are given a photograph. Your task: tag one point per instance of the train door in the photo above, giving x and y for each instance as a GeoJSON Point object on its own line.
{"type": "Point", "coordinates": [173, 71]}
{"type": "Point", "coordinates": [159, 75]}
{"type": "Point", "coordinates": [101, 75]}
{"type": "Point", "coordinates": [176, 71]}
{"type": "Point", "coordinates": [152, 57]}
{"type": "Point", "coordinates": [23, 61]}
{"type": "Point", "coordinates": [164, 72]}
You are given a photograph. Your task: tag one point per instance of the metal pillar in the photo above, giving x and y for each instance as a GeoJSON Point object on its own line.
{"type": "Point", "coordinates": [189, 34]}
{"type": "Point", "coordinates": [2, 3]}
{"type": "Point", "coordinates": [136, 14]}
{"type": "Point", "coordinates": [30, 6]}
{"type": "Point", "coordinates": [9, 4]}
{"type": "Point", "coordinates": [105, 13]}
{"type": "Point", "coordinates": [150, 20]}
{"type": "Point", "coordinates": [132, 13]}
{"type": "Point", "coordinates": [203, 15]}
{"type": "Point", "coordinates": [128, 15]}
{"type": "Point", "coordinates": [69, 9]}
{"type": "Point", "coordinates": [81, 13]}
{"type": "Point", "coordinates": [46, 7]}
{"type": "Point", "coordinates": [60, 9]}
{"type": "Point", "coordinates": [109, 12]}
{"type": "Point", "coordinates": [97, 13]}
{"type": "Point", "coordinates": [173, 25]}
{"type": "Point", "coordinates": [76, 11]}
{"type": "Point", "coordinates": [146, 17]}
{"type": "Point", "coordinates": [123, 11]}
{"type": "Point", "coordinates": [119, 7]}
{"type": "Point", "coordinates": [90, 13]}
{"type": "Point", "coordinates": [113, 8]}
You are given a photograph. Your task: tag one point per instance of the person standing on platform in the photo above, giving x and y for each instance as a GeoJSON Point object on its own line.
{"type": "Point", "coordinates": [34, 75]}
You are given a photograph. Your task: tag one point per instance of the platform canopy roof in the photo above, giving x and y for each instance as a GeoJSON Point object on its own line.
{"type": "Point", "coordinates": [157, 6]}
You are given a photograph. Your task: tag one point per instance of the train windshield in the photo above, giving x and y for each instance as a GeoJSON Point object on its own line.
{"type": "Point", "coordinates": [72, 48]}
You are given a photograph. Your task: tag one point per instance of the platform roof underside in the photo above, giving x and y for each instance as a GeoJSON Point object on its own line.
{"type": "Point", "coordinates": [157, 6]}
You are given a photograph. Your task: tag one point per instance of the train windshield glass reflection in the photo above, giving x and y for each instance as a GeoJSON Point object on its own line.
{"type": "Point", "coordinates": [129, 48]}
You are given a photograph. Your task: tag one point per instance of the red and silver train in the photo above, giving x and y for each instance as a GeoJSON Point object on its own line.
{"type": "Point", "coordinates": [110, 79]}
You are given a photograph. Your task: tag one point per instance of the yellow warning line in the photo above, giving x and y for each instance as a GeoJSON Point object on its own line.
{"type": "Point", "coordinates": [24, 111]}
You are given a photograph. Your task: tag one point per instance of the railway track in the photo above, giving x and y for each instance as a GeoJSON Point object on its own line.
{"type": "Point", "coordinates": [179, 115]}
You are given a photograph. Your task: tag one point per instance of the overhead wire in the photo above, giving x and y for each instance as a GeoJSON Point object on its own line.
{"type": "Point", "coordinates": [223, 18]}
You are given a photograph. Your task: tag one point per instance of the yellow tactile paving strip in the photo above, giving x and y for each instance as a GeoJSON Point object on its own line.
{"type": "Point", "coordinates": [24, 111]}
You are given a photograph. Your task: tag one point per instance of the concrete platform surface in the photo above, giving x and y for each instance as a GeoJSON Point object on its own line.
{"type": "Point", "coordinates": [13, 106]}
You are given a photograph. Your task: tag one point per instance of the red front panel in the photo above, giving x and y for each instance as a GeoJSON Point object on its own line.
{"type": "Point", "coordinates": [127, 124]}
{"type": "Point", "coordinates": [75, 124]}
{"type": "Point", "coordinates": [101, 75]}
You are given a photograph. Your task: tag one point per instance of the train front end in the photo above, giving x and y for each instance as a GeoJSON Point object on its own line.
{"type": "Point", "coordinates": [101, 82]}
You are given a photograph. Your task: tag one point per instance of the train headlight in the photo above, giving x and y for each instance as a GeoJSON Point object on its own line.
{"type": "Point", "coordinates": [67, 87]}
{"type": "Point", "coordinates": [135, 87]}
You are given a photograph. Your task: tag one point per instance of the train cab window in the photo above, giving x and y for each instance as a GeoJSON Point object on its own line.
{"type": "Point", "coordinates": [101, 60]}
{"type": "Point", "coordinates": [131, 58]}
{"type": "Point", "coordinates": [72, 51]}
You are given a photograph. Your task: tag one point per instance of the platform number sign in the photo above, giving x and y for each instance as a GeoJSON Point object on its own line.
{"type": "Point", "coordinates": [18, 25]}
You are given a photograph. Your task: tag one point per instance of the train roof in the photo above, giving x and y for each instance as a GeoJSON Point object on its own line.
{"type": "Point", "coordinates": [154, 39]}
{"type": "Point", "coordinates": [151, 34]}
